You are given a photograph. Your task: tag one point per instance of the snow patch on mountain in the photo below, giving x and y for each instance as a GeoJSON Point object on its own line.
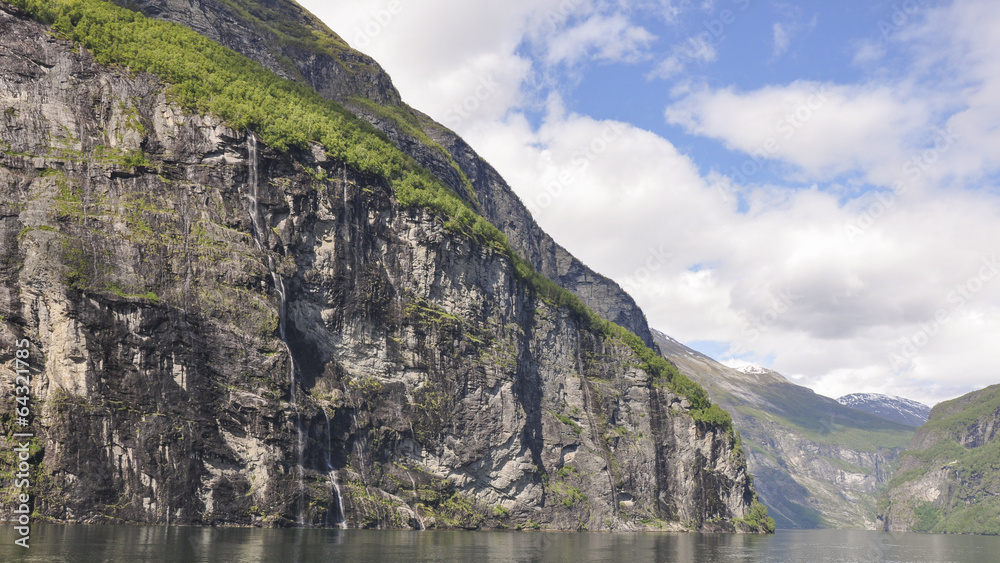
{"type": "Point", "coordinates": [744, 366]}
{"type": "Point", "coordinates": [891, 407]}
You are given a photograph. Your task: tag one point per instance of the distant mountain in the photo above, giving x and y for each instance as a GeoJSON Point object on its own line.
{"type": "Point", "coordinates": [816, 462]}
{"type": "Point", "coordinates": [896, 409]}
{"type": "Point", "coordinates": [949, 479]}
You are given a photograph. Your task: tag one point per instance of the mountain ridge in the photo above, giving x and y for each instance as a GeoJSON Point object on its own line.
{"type": "Point", "coordinates": [897, 409]}
{"type": "Point", "coordinates": [816, 463]}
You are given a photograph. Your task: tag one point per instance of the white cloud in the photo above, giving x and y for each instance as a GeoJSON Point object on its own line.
{"type": "Point", "coordinates": [824, 129]}
{"type": "Point", "coordinates": [694, 50]}
{"type": "Point", "coordinates": [607, 38]}
{"type": "Point", "coordinates": [868, 51]}
{"type": "Point", "coordinates": [439, 53]}
{"type": "Point", "coordinates": [793, 24]}
{"type": "Point", "coordinates": [781, 39]}
{"type": "Point", "coordinates": [667, 68]}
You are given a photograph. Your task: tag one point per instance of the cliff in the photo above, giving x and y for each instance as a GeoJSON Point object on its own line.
{"type": "Point", "coordinates": [290, 41]}
{"type": "Point", "coordinates": [238, 315]}
{"type": "Point", "coordinates": [949, 479]}
{"type": "Point", "coordinates": [816, 463]}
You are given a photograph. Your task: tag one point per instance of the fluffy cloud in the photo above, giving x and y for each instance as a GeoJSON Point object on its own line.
{"type": "Point", "coordinates": [823, 129]}
{"type": "Point", "coordinates": [607, 38]}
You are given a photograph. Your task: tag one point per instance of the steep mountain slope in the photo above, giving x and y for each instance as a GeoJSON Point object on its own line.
{"type": "Point", "coordinates": [949, 479]}
{"type": "Point", "coordinates": [288, 40]}
{"type": "Point", "coordinates": [816, 463]}
{"type": "Point", "coordinates": [244, 306]}
{"type": "Point", "coordinates": [896, 409]}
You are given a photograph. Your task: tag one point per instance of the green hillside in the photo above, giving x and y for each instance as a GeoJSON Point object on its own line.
{"type": "Point", "coordinates": [950, 480]}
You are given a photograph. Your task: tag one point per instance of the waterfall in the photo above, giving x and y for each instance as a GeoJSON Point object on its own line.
{"type": "Point", "coordinates": [253, 180]}
{"type": "Point", "coordinates": [362, 444]}
{"type": "Point", "coordinates": [416, 495]}
{"type": "Point", "coordinates": [344, 183]}
{"type": "Point", "coordinates": [341, 520]}
{"type": "Point", "coordinates": [279, 287]}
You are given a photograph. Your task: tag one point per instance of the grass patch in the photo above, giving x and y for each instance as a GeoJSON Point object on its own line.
{"type": "Point", "coordinates": [574, 425]}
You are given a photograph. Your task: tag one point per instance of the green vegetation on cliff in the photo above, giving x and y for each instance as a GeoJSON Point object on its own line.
{"type": "Point", "coordinates": [757, 518]}
{"type": "Point", "coordinates": [957, 416]}
{"type": "Point", "coordinates": [299, 29]}
{"type": "Point", "coordinates": [206, 77]}
{"type": "Point", "coordinates": [956, 454]}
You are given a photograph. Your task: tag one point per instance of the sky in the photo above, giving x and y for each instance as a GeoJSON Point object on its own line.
{"type": "Point", "coordinates": [808, 186]}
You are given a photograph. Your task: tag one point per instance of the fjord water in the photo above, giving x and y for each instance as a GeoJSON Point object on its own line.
{"type": "Point", "coordinates": [136, 544]}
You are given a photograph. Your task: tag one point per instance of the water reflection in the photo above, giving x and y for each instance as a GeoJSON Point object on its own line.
{"type": "Point", "coordinates": [134, 544]}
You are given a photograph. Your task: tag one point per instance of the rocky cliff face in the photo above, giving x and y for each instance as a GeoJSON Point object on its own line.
{"type": "Point", "coordinates": [816, 463]}
{"type": "Point", "coordinates": [221, 333]}
{"type": "Point", "coordinates": [948, 480]}
{"type": "Point", "coordinates": [304, 49]}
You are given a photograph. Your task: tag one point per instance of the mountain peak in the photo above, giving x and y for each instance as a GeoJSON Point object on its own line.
{"type": "Point", "coordinates": [748, 368]}
{"type": "Point", "coordinates": [891, 407]}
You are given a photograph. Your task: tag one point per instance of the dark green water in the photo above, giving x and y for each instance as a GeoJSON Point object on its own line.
{"type": "Point", "coordinates": [134, 544]}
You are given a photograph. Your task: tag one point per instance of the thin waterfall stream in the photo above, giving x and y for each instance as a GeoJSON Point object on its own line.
{"type": "Point", "coordinates": [416, 495]}
{"type": "Point", "coordinates": [339, 518]}
{"type": "Point", "coordinates": [279, 286]}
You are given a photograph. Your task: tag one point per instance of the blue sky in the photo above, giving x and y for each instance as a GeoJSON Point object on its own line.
{"type": "Point", "coordinates": [810, 186]}
{"type": "Point", "coordinates": [741, 35]}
